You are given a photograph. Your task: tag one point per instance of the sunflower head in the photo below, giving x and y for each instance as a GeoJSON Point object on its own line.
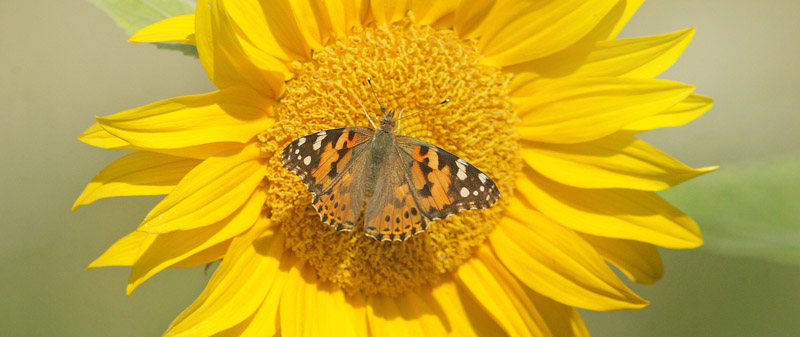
{"type": "Point", "coordinates": [411, 68]}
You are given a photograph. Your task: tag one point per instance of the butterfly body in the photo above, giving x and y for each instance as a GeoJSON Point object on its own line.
{"type": "Point", "coordinates": [399, 183]}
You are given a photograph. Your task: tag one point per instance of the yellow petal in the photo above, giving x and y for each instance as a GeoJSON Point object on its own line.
{"type": "Point", "coordinates": [630, 8]}
{"type": "Point", "coordinates": [239, 285]}
{"type": "Point", "coordinates": [519, 31]}
{"type": "Point", "coordinates": [392, 318]}
{"type": "Point", "coordinates": [419, 305]}
{"type": "Point", "coordinates": [202, 151]}
{"type": "Point", "coordinates": [95, 135]}
{"type": "Point", "coordinates": [225, 62]}
{"type": "Point", "coordinates": [410, 314]}
{"type": "Point", "coordinates": [356, 11]}
{"type": "Point", "coordinates": [445, 22]}
{"type": "Point", "coordinates": [259, 28]}
{"type": "Point", "coordinates": [639, 261]}
{"type": "Point", "coordinates": [566, 60]}
{"type": "Point", "coordinates": [287, 29]}
{"type": "Point", "coordinates": [122, 253]}
{"type": "Point", "coordinates": [427, 12]}
{"type": "Point", "coordinates": [501, 296]}
{"type": "Point", "coordinates": [583, 109]}
{"type": "Point", "coordinates": [563, 320]}
{"type": "Point", "coordinates": [263, 322]}
{"type": "Point", "coordinates": [615, 213]}
{"type": "Point", "coordinates": [684, 112]}
{"type": "Point", "coordinates": [309, 307]}
{"type": "Point", "coordinates": [348, 321]}
{"type": "Point", "coordinates": [298, 309]}
{"type": "Point", "coordinates": [232, 115]}
{"type": "Point", "coordinates": [388, 11]}
{"type": "Point", "coordinates": [357, 303]}
{"type": "Point", "coordinates": [616, 161]}
{"type": "Point", "coordinates": [643, 57]}
{"type": "Point", "coordinates": [205, 256]}
{"type": "Point", "coordinates": [314, 24]}
{"type": "Point", "coordinates": [554, 261]}
{"type": "Point", "coordinates": [178, 29]}
{"type": "Point", "coordinates": [342, 15]}
{"type": "Point", "coordinates": [209, 193]}
{"type": "Point", "coordinates": [163, 250]}
{"type": "Point", "coordinates": [466, 317]}
{"type": "Point", "coordinates": [138, 173]}
{"type": "Point", "coordinates": [470, 17]}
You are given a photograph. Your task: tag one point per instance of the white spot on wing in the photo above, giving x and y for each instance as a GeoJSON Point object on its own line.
{"type": "Point", "coordinates": [464, 192]}
{"type": "Point", "coordinates": [297, 151]}
{"type": "Point", "coordinates": [301, 141]}
{"type": "Point", "coordinates": [483, 188]}
{"type": "Point", "coordinates": [318, 141]}
{"type": "Point", "coordinates": [483, 178]}
{"type": "Point", "coordinates": [475, 193]}
{"type": "Point", "coordinates": [461, 174]}
{"type": "Point", "coordinates": [307, 160]}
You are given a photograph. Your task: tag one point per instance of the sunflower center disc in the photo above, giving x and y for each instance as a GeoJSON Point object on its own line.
{"type": "Point", "coordinates": [411, 67]}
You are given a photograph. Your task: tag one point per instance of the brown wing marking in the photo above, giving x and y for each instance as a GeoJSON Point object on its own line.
{"type": "Point", "coordinates": [432, 180]}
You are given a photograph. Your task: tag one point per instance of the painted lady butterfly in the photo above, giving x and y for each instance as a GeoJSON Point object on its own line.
{"type": "Point", "coordinates": [408, 182]}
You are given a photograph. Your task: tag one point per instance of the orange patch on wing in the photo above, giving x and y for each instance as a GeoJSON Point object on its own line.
{"type": "Point", "coordinates": [344, 141]}
{"type": "Point", "coordinates": [417, 177]}
{"type": "Point", "coordinates": [440, 181]}
{"type": "Point", "coordinates": [433, 157]}
{"type": "Point", "coordinates": [327, 159]}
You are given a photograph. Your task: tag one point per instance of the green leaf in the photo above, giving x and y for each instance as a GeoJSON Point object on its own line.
{"type": "Point", "coordinates": [132, 15]}
{"type": "Point", "coordinates": [749, 210]}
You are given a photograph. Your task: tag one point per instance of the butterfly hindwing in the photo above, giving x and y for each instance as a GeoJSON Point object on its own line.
{"type": "Point", "coordinates": [340, 205]}
{"type": "Point", "coordinates": [443, 183]}
{"type": "Point", "coordinates": [392, 213]}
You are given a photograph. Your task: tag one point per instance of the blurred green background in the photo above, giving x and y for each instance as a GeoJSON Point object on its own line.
{"type": "Point", "coordinates": [63, 62]}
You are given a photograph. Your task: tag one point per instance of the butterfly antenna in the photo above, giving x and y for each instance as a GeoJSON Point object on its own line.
{"type": "Point", "coordinates": [383, 107]}
{"type": "Point", "coordinates": [366, 113]}
{"type": "Point", "coordinates": [425, 108]}
{"type": "Point", "coordinates": [398, 119]}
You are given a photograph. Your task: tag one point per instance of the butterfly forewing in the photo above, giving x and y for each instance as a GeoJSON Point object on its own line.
{"type": "Point", "coordinates": [320, 157]}
{"type": "Point", "coordinates": [443, 183]}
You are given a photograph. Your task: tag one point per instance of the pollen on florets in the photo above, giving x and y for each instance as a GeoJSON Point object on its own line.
{"type": "Point", "coordinates": [410, 67]}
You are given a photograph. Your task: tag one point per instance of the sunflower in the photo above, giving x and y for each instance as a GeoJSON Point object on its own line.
{"type": "Point", "coordinates": [542, 97]}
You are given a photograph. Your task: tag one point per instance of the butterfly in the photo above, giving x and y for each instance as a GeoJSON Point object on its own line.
{"type": "Point", "coordinates": [405, 182]}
